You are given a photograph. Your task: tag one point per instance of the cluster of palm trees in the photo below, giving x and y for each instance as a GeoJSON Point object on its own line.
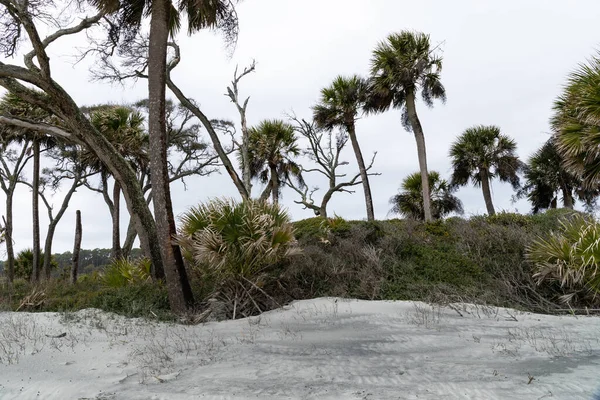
{"type": "Point", "coordinates": [404, 67]}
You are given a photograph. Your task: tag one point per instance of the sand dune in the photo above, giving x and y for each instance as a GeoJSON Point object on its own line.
{"type": "Point", "coordinates": [318, 349]}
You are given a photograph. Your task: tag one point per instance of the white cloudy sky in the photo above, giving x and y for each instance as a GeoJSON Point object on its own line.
{"type": "Point", "coordinates": [504, 62]}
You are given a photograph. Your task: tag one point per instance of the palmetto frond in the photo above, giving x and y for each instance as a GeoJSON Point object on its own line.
{"type": "Point", "coordinates": [576, 122]}
{"type": "Point", "coordinates": [200, 14]}
{"type": "Point", "coordinates": [237, 239]}
{"type": "Point", "coordinates": [123, 127]}
{"type": "Point", "coordinates": [271, 142]}
{"type": "Point", "coordinates": [570, 256]}
{"type": "Point", "coordinates": [484, 148]}
{"type": "Point", "coordinates": [402, 64]}
{"type": "Point", "coordinates": [546, 177]}
{"type": "Point", "coordinates": [14, 106]}
{"type": "Point", "coordinates": [340, 102]}
{"type": "Point", "coordinates": [409, 202]}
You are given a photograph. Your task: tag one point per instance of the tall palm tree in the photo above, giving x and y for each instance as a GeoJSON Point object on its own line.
{"type": "Point", "coordinates": [576, 123]}
{"type": "Point", "coordinates": [165, 22]}
{"type": "Point", "coordinates": [409, 202]}
{"type": "Point", "coordinates": [272, 145]}
{"type": "Point", "coordinates": [402, 66]}
{"type": "Point", "coordinates": [481, 154]}
{"type": "Point", "coordinates": [338, 108]}
{"type": "Point", "coordinates": [547, 179]}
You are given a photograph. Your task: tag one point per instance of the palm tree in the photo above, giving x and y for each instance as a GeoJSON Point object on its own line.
{"type": "Point", "coordinates": [124, 129]}
{"type": "Point", "coordinates": [402, 66]}
{"type": "Point", "coordinates": [272, 144]}
{"type": "Point", "coordinates": [481, 154]}
{"type": "Point", "coordinates": [338, 108]}
{"type": "Point", "coordinates": [165, 22]}
{"type": "Point", "coordinates": [576, 123]}
{"type": "Point", "coordinates": [546, 179]}
{"type": "Point", "coordinates": [409, 202]}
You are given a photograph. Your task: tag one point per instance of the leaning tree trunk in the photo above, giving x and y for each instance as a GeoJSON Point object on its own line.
{"type": "Point", "coordinates": [76, 248]}
{"type": "Point", "coordinates": [274, 184]}
{"type": "Point", "coordinates": [35, 273]}
{"type": "Point", "coordinates": [123, 173]}
{"type": "Point", "coordinates": [214, 137]}
{"type": "Point", "coordinates": [178, 286]}
{"type": "Point", "coordinates": [362, 168]}
{"type": "Point", "coordinates": [116, 222]}
{"type": "Point", "coordinates": [59, 102]}
{"type": "Point", "coordinates": [487, 193]}
{"type": "Point", "coordinates": [129, 240]}
{"type": "Point", "coordinates": [421, 151]}
{"type": "Point", "coordinates": [8, 231]}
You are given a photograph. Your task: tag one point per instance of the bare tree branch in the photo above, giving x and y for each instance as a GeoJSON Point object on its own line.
{"type": "Point", "coordinates": [326, 155]}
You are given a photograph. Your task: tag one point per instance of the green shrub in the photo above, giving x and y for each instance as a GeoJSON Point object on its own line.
{"type": "Point", "coordinates": [319, 229]}
{"type": "Point", "coordinates": [237, 246]}
{"type": "Point", "coordinates": [124, 272]}
{"type": "Point", "coordinates": [569, 256]}
{"type": "Point", "coordinates": [145, 299]}
{"type": "Point", "coordinates": [24, 263]}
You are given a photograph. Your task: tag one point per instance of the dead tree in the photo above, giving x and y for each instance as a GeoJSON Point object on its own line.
{"type": "Point", "coordinates": [76, 248]}
{"type": "Point", "coordinates": [325, 153]}
{"type": "Point", "coordinates": [243, 147]}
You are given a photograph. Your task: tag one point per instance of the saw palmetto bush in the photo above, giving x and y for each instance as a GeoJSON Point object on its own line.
{"type": "Point", "coordinates": [570, 257]}
{"type": "Point", "coordinates": [124, 272]}
{"type": "Point", "coordinates": [237, 246]}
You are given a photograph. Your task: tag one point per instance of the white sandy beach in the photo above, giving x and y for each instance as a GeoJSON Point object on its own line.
{"type": "Point", "coordinates": [318, 349]}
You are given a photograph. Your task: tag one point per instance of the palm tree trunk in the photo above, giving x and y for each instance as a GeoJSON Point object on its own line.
{"type": "Point", "coordinates": [362, 168]}
{"type": "Point", "coordinates": [485, 187]}
{"type": "Point", "coordinates": [116, 222]}
{"type": "Point", "coordinates": [8, 231]}
{"type": "Point", "coordinates": [178, 285]}
{"type": "Point", "coordinates": [411, 110]}
{"type": "Point", "coordinates": [76, 248]}
{"type": "Point", "coordinates": [567, 198]}
{"type": "Point", "coordinates": [35, 273]}
{"type": "Point", "coordinates": [274, 184]}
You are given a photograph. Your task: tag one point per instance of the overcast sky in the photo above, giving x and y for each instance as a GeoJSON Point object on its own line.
{"type": "Point", "coordinates": [504, 63]}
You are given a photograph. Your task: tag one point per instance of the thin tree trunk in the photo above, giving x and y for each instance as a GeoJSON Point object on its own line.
{"type": "Point", "coordinates": [35, 273]}
{"type": "Point", "coordinates": [47, 262]}
{"type": "Point", "coordinates": [129, 240]}
{"type": "Point", "coordinates": [362, 168]}
{"type": "Point", "coordinates": [487, 193]}
{"type": "Point", "coordinates": [178, 285]}
{"type": "Point", "coordinates": [54, 222]}
{"type": "Point", "coordinates": [246, 173]}
{"type": "Point", "coordinates": [8, 231]}
{"type": "Point", "coordinates": [421, 151]}
{"type": "Point", "coordinates": [274, 184]}
{"type": "Point", "coordinates": [116, 222]}
{"type": "Point", "coordinates": [567, 198]}
{"type": "Point", "coordinates": [76, 248]}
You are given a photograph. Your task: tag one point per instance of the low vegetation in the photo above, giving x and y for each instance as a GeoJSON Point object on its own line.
{"type": "Point", "coordinates": [492, 260]}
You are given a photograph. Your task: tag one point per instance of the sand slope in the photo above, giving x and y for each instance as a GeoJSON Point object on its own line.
{"type": "Point", "coordinates": [318, 349]}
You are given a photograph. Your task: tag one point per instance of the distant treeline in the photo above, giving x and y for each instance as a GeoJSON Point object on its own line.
{"type": "Point", "coordinates": [89, 260]}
